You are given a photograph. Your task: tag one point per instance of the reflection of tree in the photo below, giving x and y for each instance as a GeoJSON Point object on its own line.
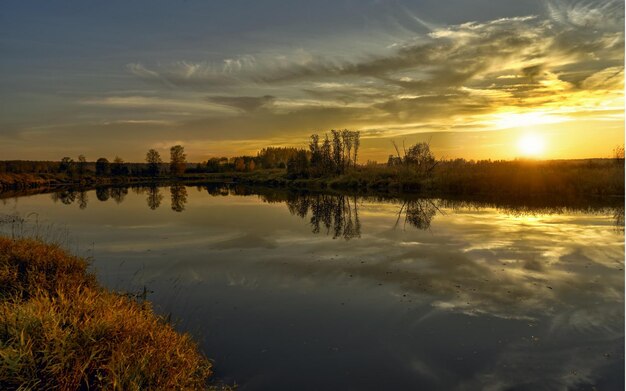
{"type": "Point", "coordinates": [118, 194]}
{"type": "Point", "coordinates": [67, 197]}
{"type": "Point", "coordinates": [102, 193]}
{"type": "Point", "coordinates": [178, 195]}
{"type": "Point", "coordinates": [418, 213]}
{"type": "Point", "coordinates": [154, 197]}
{"type": "Point", "coordinates": [618, 218]}
{"type": "Point", "coordinates": [337, 213]}
{"type": "Point", "coordinates": [82, 199]}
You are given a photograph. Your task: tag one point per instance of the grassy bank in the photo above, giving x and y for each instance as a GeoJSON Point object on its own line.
{"type": "Point", "coordinates": [59, 330]}
{"type": "Point", "coordinates": [562, 178]}
{"type": "Point", "coordinates": [566, 178]}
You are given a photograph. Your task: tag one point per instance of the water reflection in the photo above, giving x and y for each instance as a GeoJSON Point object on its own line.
{"type": "Point", "coordinates": [336, 214]}
{"type": "Point", "coordinates": [102, 194]}
{"type": "Point", "coordinates": [432, 293]}
{"type": "Point", "coordinates": [154, 197]}
{"type": "Point", "coordinates": [178, 195]}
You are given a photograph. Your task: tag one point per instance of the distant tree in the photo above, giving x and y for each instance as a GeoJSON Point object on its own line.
{"type": "Point", "coordinates": [118, 167]}
{"type": "Point", "coordinates": [347, 140]}
{"type": "Point", "coordinates": [420, 158]}
{"type": "Point", "coordinates": [66, 165]}
{"type": "Point", "coordinates": [240, 164]}
{"type": "Point", "coordinates": [82, 165]}
{"type": "Point", "coordinates": [618, 154]}
{"type": "Point", "coordinates": [153, 158]}
{"type": "Point", "coordinates": [178, 160]}
{"type": "Point", "coordinates": [356, 141]}
{"type": "Point", "coordinates": [327, 164]}
{"type": "Point", "coordinates": [272, 157]}
{"type": "Point", "coordinates": [338, 153]}
{"type": "Point", "coordinates": [298, 166]}
{"type": "Point", "coordinates": [251, 165]}
{"type": "Point", "coordinates": [102, 167]}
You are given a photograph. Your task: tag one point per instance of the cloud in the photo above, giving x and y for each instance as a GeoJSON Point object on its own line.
{"type": "Point", "coordinates": [245, 103]}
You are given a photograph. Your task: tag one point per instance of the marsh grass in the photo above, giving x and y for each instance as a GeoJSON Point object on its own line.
{"type": "Point", "coordinates": [59, 330]}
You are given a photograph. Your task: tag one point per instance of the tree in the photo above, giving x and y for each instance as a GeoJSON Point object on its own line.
{"type": "Point", "coordinates": [82, 164]}
{"type": "Point", "coordinates": [66, 165]}
{"type": "Point", "coordinates": [118, 167]}
{"type": "Point", "coordinates": [240, 164]}
{"type": "Point", "coordinates": [618, 154]}
{"type": "Point", "coordinates": [298, 166]}
{"type": "Point", "coordinates": [102, 167]}
{"type": "Point", "coordinates": [153, 158]}
{"type": "Point", "coordinates": [251, 165]}
{"type": "Point", "coordinates": [338, 148]}
{"type": "Point", "coordinates": [356, 135]}
{"type": "Point", "coordinates": [418, 158]}
{"type": "Point", "coordinates": [178, 160]}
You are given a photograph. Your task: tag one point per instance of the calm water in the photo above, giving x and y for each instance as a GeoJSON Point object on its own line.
{"type": "Point", "coordinates": [299, 292]}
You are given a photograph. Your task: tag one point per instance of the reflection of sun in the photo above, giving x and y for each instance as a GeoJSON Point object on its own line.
{"type": "Point", "coordinates": [530, 145]}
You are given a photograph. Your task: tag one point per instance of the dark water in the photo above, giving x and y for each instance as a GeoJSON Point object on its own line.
{"type": "Point", "coordinates": [324, 292]}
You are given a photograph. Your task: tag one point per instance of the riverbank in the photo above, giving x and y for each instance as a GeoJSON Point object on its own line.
{"type": "Point", "coordinates": [560, 178]}
{"type": "Point", "coordinates": [61, 330]}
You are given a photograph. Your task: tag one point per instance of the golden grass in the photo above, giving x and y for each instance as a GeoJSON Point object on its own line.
{"type": "Point", "coordinates": [60, 331]}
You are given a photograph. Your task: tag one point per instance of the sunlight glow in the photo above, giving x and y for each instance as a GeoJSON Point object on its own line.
{"type": "Point", "coordinates": [531, 145]}
{"type": "Point", "coordinates": [525, 120]}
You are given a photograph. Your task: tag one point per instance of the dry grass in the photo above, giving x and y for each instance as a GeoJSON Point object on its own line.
{"type": "Point", "coordinates": [60, 331]}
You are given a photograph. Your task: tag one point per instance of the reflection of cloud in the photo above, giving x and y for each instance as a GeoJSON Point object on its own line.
{"type": "Point", "coordinates": [246, 241]}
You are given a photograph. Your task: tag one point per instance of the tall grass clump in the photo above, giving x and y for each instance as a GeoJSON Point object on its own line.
{"type": "Point", "coordinates": [59, 330]}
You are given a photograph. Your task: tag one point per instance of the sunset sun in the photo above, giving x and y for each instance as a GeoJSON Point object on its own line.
{"type": "Point", "coordinates": [531, 145]}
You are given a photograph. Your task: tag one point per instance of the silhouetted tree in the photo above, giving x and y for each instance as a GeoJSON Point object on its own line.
{"type": "Point", "coordinates": [618, 154]}
{"type": "Point", "coordinates": [102, 167]}
{"type": "Point", "coordinates": [418, 158]}
{"type": "Point", "coordinates": [298, 165]}
{"type": "Point", "coordinates": [66, 165]}
{"type": "Point", "coordinates": [82, 165]}
{"type": "Point", "coordinates": [153, 158]}
{"type": "Point", "coordinates": [178, 159]}
{"type": "Point", "coordinates": [118, 167]}
{"type": "Point", "coordinates": [356, 142]}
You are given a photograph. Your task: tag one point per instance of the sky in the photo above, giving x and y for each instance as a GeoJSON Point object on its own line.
{"type": "Point", "coordinates": [477, 79]}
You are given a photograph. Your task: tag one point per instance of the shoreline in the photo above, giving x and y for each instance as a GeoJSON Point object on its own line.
{"type": "Point", "coordinates": [564, 181]}
{"type": "Point", "coordinates": [109, 340]}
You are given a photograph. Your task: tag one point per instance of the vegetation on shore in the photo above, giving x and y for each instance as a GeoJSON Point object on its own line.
{"type": "Point", "coordinates": [332, 163]}
{"type": "Point", "coordinates": [59, 330]}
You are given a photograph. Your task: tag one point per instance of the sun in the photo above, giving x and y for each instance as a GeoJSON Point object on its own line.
{"type": "Point", "coordinates": [531, 145]}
